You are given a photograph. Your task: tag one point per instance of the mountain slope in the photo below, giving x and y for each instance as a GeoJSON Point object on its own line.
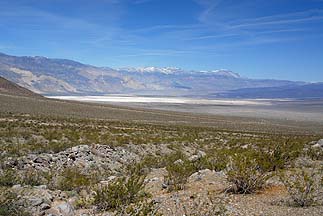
{"type": "Point", "coordinates": [9, 88]}
{"type": "Point", "coordinates": [313, 90]}
{"type": "Point", "coordinates": [65, 77]}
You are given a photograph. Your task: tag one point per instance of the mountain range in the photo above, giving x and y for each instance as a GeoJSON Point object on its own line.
{"type": "Point", "coordinates": [48, 76]}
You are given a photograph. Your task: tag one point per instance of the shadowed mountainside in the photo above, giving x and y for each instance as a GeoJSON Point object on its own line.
{"type": "Point", "coordinates": [313, 90]}
{"type": "Point", "coordinates": [10, 88]}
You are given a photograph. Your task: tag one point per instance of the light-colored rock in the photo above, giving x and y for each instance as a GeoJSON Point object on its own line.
{"type": "Point", "coordinates": [304, 162]}
{"type": "Point", "coordinates": [201, 154]}
{"type": "Point", "coordinates": [43, 187]}
{"type": "Point", "coordinates": [44, 206]}
{"type": "Point", "coordinates": [62, 209]}
{"type": "Point", "coordinates": [194, 158]}
{"type": "Point", "coordinates": [154, 181]}
{"type": "Point", "coordinates": [108, 181]}
{"type": "Point", "coordinates": [197, 156]}
{"type": "Point", "coordinates": [274, 181]}
{"type": "Point", "coordinates": [319, 144]}
{"type": "Point", "coordinates": [18, 186]}
{"type": "Point", "coordinates": [179, 161]}
{"type": "Point", "coordinates": [206, 177]}
{"type": "Point", "coordinates": [35, 201]}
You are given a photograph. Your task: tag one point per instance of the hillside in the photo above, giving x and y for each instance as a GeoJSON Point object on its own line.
{"type": "Point", "coordinates": [10, 88]}
{"type": "Point", "coordinates": [75, 159]}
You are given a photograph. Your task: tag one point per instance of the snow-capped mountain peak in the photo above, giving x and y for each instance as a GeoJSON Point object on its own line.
{"type": "Point", "coordinates": [164, 70]}
{"type": "Point", "coordinates": [225, 72]}
{"type": "Point", "coordinates": [173, 70]}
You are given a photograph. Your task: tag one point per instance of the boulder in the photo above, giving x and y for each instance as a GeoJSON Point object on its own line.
{"type": "Point", "coordinates": [179, 162]}
{"type": "Point", "coordinates": [62, 209]}
{"type": "Point", "coordinates": [197, 156]}
{"type": "Point", "coordinates": [194, 158]}
{"type": "Point", "coordinates": [44, 206]}
{"type": "Point", "coordinates": [154, 181]}
{"type": "Point", "coordinates": [35, 201]}
{"type": "Point", "coordinates": [207, 178]}
{"type": "Point", "coordinates": [319, 144]}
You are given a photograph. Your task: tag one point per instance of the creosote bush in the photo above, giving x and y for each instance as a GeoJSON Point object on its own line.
{"type": "Point", "coordinates": [72, 179]}
{"type": "Point", "coordinates": [215, 159]}
{"type": "Point", "coordinates": [33, 177]}
{"type": "Point", "coordinates": [245, 175]}
{"type": "Point", "coordinates": [8, 178]}
{"type": "Point", "coordinates": [120, 193]}
{"type": "Point", "coordinates": [178, 174]}
{"type": "Point", "coordinates": [9, 205]}
{"type": "Point", "coordinates": [30, 176]}
{"type": "Point", "coordinates": [143, 208]}
{"type": "Point", "coordinates": [208, 205]}
{"type": "Point", "coordinates": [304, 186]}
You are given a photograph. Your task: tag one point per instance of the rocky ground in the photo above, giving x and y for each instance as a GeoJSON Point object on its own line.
{"type": "Point", "coordinates": [59, 166]}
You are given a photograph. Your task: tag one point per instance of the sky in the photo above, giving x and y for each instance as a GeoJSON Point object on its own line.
{"type": "Point", "coordinates": [279, 39]}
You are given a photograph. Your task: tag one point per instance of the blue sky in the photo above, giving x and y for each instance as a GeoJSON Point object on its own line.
{"type": "Point", "coordinates": [281, 39]}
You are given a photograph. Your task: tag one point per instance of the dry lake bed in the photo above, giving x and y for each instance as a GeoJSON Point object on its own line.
{"type": "Point", "coordinates": [283, 109]}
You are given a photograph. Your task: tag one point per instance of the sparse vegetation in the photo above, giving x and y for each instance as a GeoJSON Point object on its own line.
{"type": "Point", "coordinates": [178, 173]}
{"type": "Point", "coordinates": [120, 193]}
{"type": "Point", "coordinates": [246, 175]}
{"type": "Point", "coordinates": [208, 205]}
{"type": "Point", "coordinates": [304, 186]}
{"type": "Point", "coordinates": [247, 159]}
{"type": "Point", "coordinates": [72, 179]}
{"type": "Point", "coordinates": [10, 205]}
{"type": "Point", "coordinates": [8, 178]}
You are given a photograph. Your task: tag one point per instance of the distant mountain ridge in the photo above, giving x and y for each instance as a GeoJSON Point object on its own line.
{"type": "Point", "coordinates": [66, 77]}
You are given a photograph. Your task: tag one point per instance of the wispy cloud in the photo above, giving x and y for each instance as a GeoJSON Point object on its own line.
{"type": "Point", "coordinates": [206, 37]}
{"type": "Point", "coordinates": [141, 1]}
{"type": "Point", "coordinates": [164, 28]}
{"type": "Point", "coordinates": [157, 52]}
{"type": "Point", "coordinates": [211, 28]}
{"type": "Point", "coordinates": [278, 22]}
{"type": "Point", "coordinates": [209, 8]}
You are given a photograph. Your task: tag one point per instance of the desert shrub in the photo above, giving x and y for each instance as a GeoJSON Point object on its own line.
{"type": "Point", "coordinates": [55, 147]}
{"type": "Point", "coordinates": [280, 154]}
{"type": "Point", "coordinates": [178, 173]}
{"type": "Point", "coordinates": [209, 205]}
{"type": "Point", "coordinates": [120, 193]}
{"type": "Point", "coordinates": [144, 166]}
{"type": "Point", "coordinates": [32, 177]}
{"type": "Point", "coordinates": [304, 186]}
{"type": "Point", "coordinates": [315, 153]}
{"type": "Point", "coordinates": [215, 159]}
{"type": "Point", "coordinates": [245, 175]}
{"type": "Point", "coordinates": [142, 208]}
{"type": "Point", "coordinates": [151, 161]}
{"type": "Point", "coordinates": [8, 178]}
{"type": "Point", "coordinates": [172, 157]}
{"type": "Point", "coordinates": [9, 205]}
{"type": "Point", "coordinates": [72, 179]}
